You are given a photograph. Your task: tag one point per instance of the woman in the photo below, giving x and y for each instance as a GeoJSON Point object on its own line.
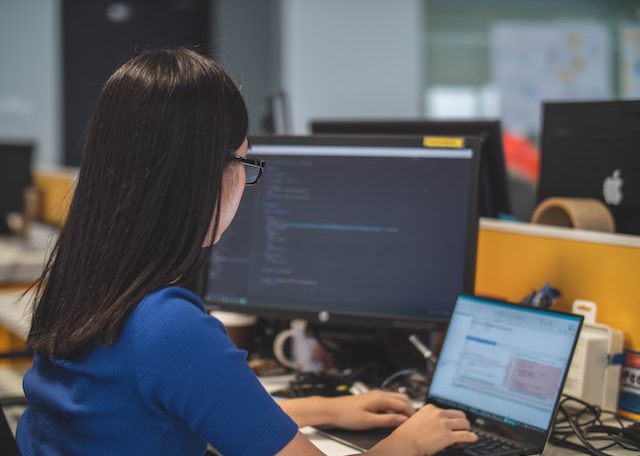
{"type": "Point", "coordinates": [126, 359]}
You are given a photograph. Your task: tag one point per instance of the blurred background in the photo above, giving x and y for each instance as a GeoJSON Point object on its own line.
{"type": "Point", "coordinates": [298, 60]}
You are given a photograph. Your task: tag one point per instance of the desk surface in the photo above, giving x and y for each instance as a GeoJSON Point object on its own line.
{"type": "Point", "coordinates": [334, 448]}
{"type": "Point", "coordinates": [14, 312]}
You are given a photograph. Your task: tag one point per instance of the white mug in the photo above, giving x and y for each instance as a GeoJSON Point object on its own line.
{"type": "Point", "coordinates": [302, 348]}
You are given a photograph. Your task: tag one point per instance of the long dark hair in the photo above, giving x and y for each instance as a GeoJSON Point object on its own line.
{"type": "Point", "coordinates": [149, 185]}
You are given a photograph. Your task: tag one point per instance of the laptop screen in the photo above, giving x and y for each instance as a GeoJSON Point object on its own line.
{"type": "Point", "coordinates": [505, 362]}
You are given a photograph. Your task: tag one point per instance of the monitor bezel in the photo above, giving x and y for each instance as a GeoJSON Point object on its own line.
{"type": "Point", "coordinates": [538, 439]}
{"type": "Point", "coordinates": [354, 318]}
{"type": "Point", "coordinates": [495, 195]}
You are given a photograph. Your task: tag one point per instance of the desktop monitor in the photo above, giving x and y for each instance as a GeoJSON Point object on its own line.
{"type": "Point", "coordinates": [365, 230]}
{"type": "Point", "coordinates": [15, 177]}
{"type": "Point", "coordinates": [590, 150]}
{"type": "Point", "coordinates": [494, 198]}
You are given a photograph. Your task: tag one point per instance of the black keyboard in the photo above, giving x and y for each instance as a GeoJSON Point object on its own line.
{"type": "Point", "coordinates": [487, 445]}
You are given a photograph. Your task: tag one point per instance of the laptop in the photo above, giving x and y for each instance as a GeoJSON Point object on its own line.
{"type": "Point", "coordinates": [590, 150]}
{"type": "Point", "coordinates": [504, 365]}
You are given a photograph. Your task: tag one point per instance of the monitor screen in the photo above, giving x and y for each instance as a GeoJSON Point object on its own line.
{"type": "Point", "coordinates": [505, 362]}
{"type": "Point", "coordinates": [603, 138]}
{"type": "Point", "coordinates": [350, 228]}
{"type": "Point", "coordinates": [494, 197]}
{"type": "Point", "coordinates": [15, 177]}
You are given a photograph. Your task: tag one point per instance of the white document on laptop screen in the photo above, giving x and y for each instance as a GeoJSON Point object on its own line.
{"type": "Point", "coordinates": [504, 360]}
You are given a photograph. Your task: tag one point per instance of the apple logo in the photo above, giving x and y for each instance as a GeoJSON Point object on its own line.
{"type": "Point", "coordinates": [612, 188]}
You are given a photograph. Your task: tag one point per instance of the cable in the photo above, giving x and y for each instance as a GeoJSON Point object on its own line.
{"type": "Point", "coordinates": [576, 418]}
{"type": "Point", "coordinates": [412, 382]}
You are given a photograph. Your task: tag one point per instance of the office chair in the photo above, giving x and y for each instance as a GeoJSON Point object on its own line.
{"type": "Point", "coordinates": [8, 446]}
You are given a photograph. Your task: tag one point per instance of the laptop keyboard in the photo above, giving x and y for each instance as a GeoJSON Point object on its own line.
{"type": "Point", "coordinates": [487, 445]}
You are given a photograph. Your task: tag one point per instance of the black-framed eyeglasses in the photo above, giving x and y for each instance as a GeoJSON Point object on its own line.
{"type": "Point", "coordinates": [253, 168]}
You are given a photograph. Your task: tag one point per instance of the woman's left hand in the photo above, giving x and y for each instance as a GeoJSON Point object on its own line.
{"type": "Point", "coordinates": [374, 409]}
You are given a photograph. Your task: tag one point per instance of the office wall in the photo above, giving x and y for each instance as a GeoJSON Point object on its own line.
{"type": "Point", "coordinates": [369, 76]}
{"type": "Point", "coordinates": [344, 58]}
{"type": "Point", "coordinates": [460, 43]}
{"type": "Point", "coordinates": [245, 41]}
{"type": "Point", "coordinates": [333, 58]}
{"type": "Point", "coordinates": [30, 58]}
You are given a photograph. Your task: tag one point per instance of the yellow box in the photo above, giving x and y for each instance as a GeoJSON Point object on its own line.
{"type": "Point", "coordinates": [516, 258]}
{"type": "Point", "coordinates": [56, 190]}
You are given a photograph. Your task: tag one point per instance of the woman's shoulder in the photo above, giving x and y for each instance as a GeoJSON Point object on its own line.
{"type": "Point", "coordinates": [168, 301]}
{"type": "Point", "coordinates": [171, 298]}
{"type": "Point", "coordinates": [172, 311]}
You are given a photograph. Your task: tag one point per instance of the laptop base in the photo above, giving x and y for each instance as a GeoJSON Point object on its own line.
{"type": "Point", "coordinates": [488, 445]}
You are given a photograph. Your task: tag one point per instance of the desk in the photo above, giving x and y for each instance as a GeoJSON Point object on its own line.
{"type": "Point", "coordinates": [14, 315]}
{"type": "Point", "coordinates": [14, 312]}
{"type": "Point", "coordinates": [333, 448]}
{"type": "Point", "coordinates": [20, 263]}
{"type": "Point", "coordinates": [14, 318]}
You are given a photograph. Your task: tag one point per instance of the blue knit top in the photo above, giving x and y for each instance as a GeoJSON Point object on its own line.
{"type": "Point", "coordinates": [171, 383]}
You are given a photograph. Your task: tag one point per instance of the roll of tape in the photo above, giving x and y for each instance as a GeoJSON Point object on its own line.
{"type": "Point", "coordinates": [579, 213]}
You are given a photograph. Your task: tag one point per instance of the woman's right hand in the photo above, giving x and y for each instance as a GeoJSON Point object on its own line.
{"type": "Point", "coordinates": [428, 431]}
